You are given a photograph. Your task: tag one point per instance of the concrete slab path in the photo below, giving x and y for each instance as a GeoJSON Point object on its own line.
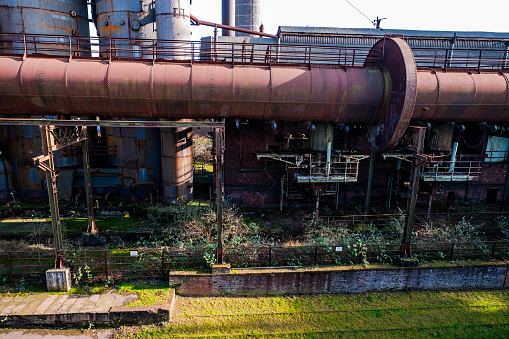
{"type": "Point", "coordinates": [45, 304]}
{"type": "Point", "coordinates": [50, 309]}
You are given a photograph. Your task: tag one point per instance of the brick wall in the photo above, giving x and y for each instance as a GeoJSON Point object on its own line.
{"type": "Point", "coordinates": [303, 281]}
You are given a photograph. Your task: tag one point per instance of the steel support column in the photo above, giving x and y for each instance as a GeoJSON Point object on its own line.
{"type": "Point", "coordinates": [51, 179]}
{"type": "Point", "coordinates": [370, 182]}
{"type": "Point", "coordinates": [88, 186]}
{"type": "Point", "coordinates": [219, 192]}
{"type": "Point", "coordinates": [414, 186]}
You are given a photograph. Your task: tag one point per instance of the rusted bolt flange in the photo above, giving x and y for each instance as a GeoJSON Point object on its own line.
{"type": "Point", "coordinates": [73, 14]}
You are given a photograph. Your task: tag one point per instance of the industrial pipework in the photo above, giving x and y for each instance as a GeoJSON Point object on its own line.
{"type": "Point", "coordinates": [386, 93]}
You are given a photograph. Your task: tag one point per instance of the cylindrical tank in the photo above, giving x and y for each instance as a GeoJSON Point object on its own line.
{"type": "Point", "coordinates": [321, 136]}
{"type": "Point", "coordinates": [138, 157]}
{"type": "Point", "coordinates": [68, 18]}
{"type": "Point", "coordinates": [248, 15]}
{"type": "Point", "coordinates": [177, 159]}
{"type": "Point", "coordinates": [126, 19]}
{"type": "Point", "coordinates": [23, 144]}
{"type": "Point", "coordinates": [137, 149]}
{"type": "Point", "coordinates": [5, 178]}
{"type": "Point", "coordinates": [43, 19]}
{"type": "Point", "coordinates": [173, 23]}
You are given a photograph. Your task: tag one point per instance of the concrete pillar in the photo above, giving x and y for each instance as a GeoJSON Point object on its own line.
{"type": "Point", "coordinates": [58, 280]}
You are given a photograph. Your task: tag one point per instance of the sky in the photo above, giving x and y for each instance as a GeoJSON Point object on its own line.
{"type": "Point", "coordinates": [440, 15]}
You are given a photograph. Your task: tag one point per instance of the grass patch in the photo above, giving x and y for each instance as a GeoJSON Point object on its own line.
{"type": "Point", "coordinates": [469, 314]}
{"type": "Point", "coordinates": [109, 224]}
{"type": "Point", "coordinates": [155, 293]}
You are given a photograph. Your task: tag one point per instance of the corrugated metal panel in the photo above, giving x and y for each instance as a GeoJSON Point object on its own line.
{"type": "Point", "coordinates": [368, 36]}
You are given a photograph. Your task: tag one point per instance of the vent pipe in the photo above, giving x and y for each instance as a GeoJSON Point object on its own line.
{"type": "Point", "coordinates": [228, 16]}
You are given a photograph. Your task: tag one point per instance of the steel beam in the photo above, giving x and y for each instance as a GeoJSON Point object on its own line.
{"type": "Point", "coordinates": [51, 179]}
{"type": "Point", "coordinates": [219, 193]}
{"type": "Point", "coordinates": [414, 186]}
{"type": "Point", "coordinates": [108, 123]}
{"type": "Point", "coordinates": [88, 186]}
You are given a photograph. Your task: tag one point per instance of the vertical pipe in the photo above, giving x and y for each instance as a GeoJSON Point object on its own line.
{"type": "Point", "coordinates": [106, 265]}
{"type": "Point", "coordinates": [328, 161]}
{"type": "Point", "coordinates": [219, 193]}
{"type": "Point", "coordinates": [228, 16]}
{"type": "Point", "coordinates": [506, 190]}
{"type": "Point", "coordinates": [453, 157]}
{"type": "Point", "coordinates": [88, 185]}
{"type": "Point", "coordinates": [370, 182]}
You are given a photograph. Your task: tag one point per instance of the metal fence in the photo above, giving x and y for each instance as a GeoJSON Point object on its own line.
{"type": "Point", "coordinates": [135, 264]}
{"type": "Point", "coordinates": [233, 53]}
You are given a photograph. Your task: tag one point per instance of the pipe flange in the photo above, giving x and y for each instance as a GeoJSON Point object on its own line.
{"type": "Point", "coordinates": [396, 58]}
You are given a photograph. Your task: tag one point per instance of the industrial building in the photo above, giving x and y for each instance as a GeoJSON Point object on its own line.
{"type": "Point", "coordinates": [310, 115]}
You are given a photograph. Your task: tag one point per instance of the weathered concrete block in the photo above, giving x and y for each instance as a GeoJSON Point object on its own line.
{"type": "Point", "coordinates": [58, 280]}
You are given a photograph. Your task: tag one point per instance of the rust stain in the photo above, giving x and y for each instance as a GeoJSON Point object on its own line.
{"type": "Point", "coordinates": [110, 29]}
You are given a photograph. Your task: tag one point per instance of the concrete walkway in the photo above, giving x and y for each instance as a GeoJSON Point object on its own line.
{"type": "Point", "coordinates": [46, 304]}
{"type": "Point", "coordinates": [27, 310]}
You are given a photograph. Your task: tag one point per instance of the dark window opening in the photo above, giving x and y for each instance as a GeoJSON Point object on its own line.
{"type": "Point", "coordinates": [491, 195]}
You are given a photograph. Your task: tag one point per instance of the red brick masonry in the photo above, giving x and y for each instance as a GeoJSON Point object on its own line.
{"type": "Point", "coordinates": [336, 280]}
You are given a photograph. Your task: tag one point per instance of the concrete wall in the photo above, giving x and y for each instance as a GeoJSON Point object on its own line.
{"type": "Point", "coordinates": [304, 281]}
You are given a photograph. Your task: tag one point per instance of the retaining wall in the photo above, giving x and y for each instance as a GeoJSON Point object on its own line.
{"type": "Point", "coordinates": [319, 280]}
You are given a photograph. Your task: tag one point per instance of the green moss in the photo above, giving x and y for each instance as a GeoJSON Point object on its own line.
{"type": "Point", "coordinates": [148, 293]}
{"type": "Point", "coordinates": [370, 315]}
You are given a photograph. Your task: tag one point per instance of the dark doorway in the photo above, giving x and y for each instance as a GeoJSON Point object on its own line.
{"type": "Point", "coordinates": [491, 195]}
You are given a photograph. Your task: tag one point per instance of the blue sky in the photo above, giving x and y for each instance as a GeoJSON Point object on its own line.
{"type": "Point", "coordinates": [443, 15]}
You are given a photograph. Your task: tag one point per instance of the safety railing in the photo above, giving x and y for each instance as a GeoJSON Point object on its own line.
{"type": "Point", "coordinates": [188, 51]}
{"type": "Point", "coordinates": [243, 52]}
{"type": "Point", "coordinates": [459, 170]}
{"type": "Point", "coordinates": [475, 59]}
{"type": "Point", "coordinates": [341, 168]}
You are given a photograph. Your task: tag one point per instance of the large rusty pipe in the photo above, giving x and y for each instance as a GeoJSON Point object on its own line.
{"type": "Point", "coordinates": [39, 86]}
{"type": "Point", "coordinates": [385, 94]}
{"type": "Point", "coordinates": [462, 96]}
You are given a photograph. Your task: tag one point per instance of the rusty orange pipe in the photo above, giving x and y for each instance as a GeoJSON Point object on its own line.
{"type": "Point", "coordinates": [42, 86]}
{"type": "Point", "coordinates": [463, 96]}
{"type": "Point", "coordinates": [232, 28]}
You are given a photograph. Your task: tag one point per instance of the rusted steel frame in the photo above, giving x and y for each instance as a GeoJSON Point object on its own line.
{"type": "Point", "coordinates": [243, 30]}
{"type": "Point", "coordinates": [406, 250]}
{"type": "Point", "coordinates": [51, 180]}
{"type": "Point", "coordinates": [219, 193]}
{"type": "Point", "coordinates": [108, 123]}
{"type": "Point", "coordinates": [88, 183]}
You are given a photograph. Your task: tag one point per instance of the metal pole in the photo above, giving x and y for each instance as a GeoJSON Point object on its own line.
{"type": "Point", "coordinates": [370, 181]}
{"type": "Point", "coordinates": [51, 179]}
{"type": "Point", "coordinates": [88, 186]}
{"type": "Point", "coordinates": [414, 186]}
{"type": "Point", "coordinates": [506, 191]}
{"type": "Point", "coordinates": [219, 193]}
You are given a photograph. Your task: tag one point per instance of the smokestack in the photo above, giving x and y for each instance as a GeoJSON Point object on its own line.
{"type": "Point", "coordinates": [247, 15]}
{"type": "Point", "coordinates": [228, 16]}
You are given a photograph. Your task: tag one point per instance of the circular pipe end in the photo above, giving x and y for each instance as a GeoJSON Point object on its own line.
{"type": "Point", "coordinates": [396, 58]}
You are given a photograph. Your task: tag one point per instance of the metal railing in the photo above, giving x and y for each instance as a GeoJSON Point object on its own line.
{"type": "Point", "coordinates": [243, 52]}
{"type": "Point", "coordinates": [183, 51]}
{"type": "Point", "coordinates": [341, 168]}
{"type": "Point", "coordinates": [133, 264]}
{"type": "Point", "coordinates": [459, 170]}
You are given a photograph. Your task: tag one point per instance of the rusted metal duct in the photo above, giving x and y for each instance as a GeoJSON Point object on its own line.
{"type": "Point", "coordinates": [385, 94]}
{"type": "Point", "coordinates": [173, 91]}
{"type": "Point", "coordinates": [464, 96]}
